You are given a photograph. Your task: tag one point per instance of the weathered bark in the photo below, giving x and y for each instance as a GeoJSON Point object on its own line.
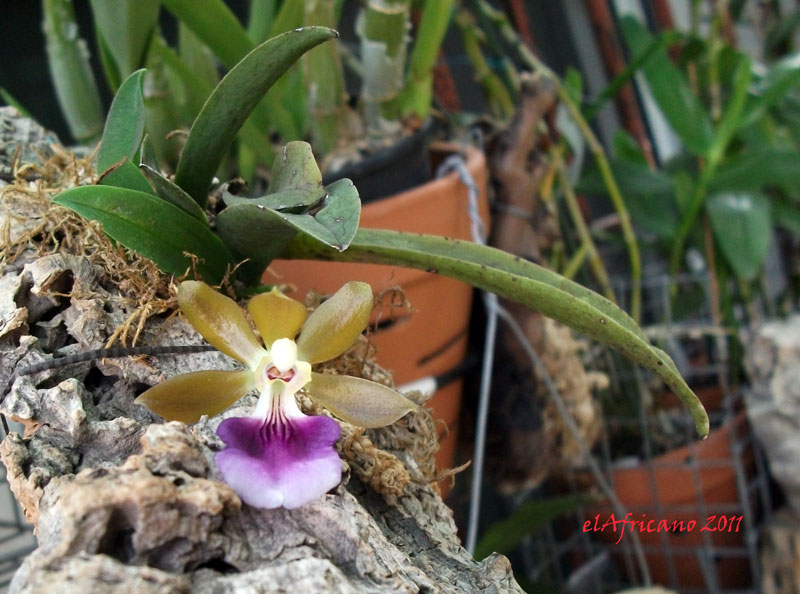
{"type": "Point", "coordinates": [122, 501]}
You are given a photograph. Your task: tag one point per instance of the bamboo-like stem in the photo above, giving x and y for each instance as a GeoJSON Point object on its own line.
{"type": "Point", "coordinates": [497, 94]}
{"type": "Point", "coordinates": [629, 237]}
{"type": "Point", "coordinates": [595, 261]}
{"type": "Point", "coordinates": [324, 77]}
{"type": "Point", "coordinates": [383, 29]}
{"type": "Point", "coordinates": [417, 94]}
{"type": "Point", "coordinates": [72, 76]}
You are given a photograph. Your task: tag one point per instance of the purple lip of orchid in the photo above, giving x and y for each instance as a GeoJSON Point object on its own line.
{"type": "Point", "coordinates": [278, 456]}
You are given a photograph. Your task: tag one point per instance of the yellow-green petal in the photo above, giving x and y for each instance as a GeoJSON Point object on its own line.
{"type": "Point", "coordinates": [358, 401]}
{"type": "Point", "coordinates": [220, 321]}
{"type": "Point", "coordinates": [335, 325]}
{"type": "Point", "coordinates": [276, 315]}
{"type": "Point", "coordinates": [189, 396]}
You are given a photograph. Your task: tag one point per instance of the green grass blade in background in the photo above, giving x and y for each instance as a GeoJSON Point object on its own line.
{"type": "Point", "coordinates": [124, 125]}
{"type": "Point", "coordinates": [68, 59]}
{"type": "Point", "coordinates": [151, 227]}
{"type": "Point", "coordinates": [517, 279]}
{"type": "Point", "coordinates": [215, 25]}
{"type": "Point", "coordinates": [126, 27]}
{"type": "Point", "coordinates": [232, 102]}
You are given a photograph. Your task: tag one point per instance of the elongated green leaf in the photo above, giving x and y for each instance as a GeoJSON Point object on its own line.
{"type": "Point", "coordinates": [215, 25]}
{"type": "Point", "coordinates": [124, 125]}
{"type": "Point", "coordinates": [152, 227]}
{"type": "Point", "coordinates": [517, 279]}
{"type": "Point", "coordinates": [125, 175]}
{"type": "Point", "coordinates": [670, 89]}
{"type": "Point", "coordinates": [742, 227]}
{"type": "Point", "coordinates": [126, 26]}
{"type": "Point", "coordinates": [233, 100]}
{"type": "Point", "coordinates": [71, 72]}
{"type": "Point", "coordinates": [173, 194]}
{"type": "Point", "coordinates": [504, 536]}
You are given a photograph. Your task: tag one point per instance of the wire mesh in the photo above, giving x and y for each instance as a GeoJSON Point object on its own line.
{"type": "Point", "coordinates": [702, 503]}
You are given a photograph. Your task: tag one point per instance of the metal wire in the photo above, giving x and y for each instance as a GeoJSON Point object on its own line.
{"type": "Point", "coordinates": [456, 163]}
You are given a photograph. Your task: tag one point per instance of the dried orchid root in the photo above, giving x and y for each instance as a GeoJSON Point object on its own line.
{"type": "Point", "coordinates": [113, 353]}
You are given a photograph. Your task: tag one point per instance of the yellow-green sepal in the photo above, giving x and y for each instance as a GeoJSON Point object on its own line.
{"type": "Point", "coordinates": [189, 396]}
{"type": "Point", "coordinates": [220, 321]}
{"type": "Point", "coordinates": [276, 316]}
{"type": "Point", "coordinates": [358, 401]}
{"type": "Point", "coordinates": [335, 325]}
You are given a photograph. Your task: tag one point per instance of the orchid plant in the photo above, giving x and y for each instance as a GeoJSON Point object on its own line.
{"type": "Point", "coordinates": [277, 456]}
{"type": "Point", "coordinates": [168, 220]}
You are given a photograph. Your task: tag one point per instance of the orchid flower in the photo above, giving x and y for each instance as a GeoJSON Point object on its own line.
{"type": "Point", "coordinates": [278, 456]}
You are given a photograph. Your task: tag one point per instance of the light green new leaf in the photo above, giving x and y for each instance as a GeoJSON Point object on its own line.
{"type": "Point", "coordinates": [152, 227]}
{"type": "Point", "coordinates": [232, 102]}
{"type": "Point", "coordinates": [124, 125]}
{"type": "Point", "coordinates": [517, 279]}
{"type": "Point", "coordinates": [742, 226]}
{"type": "Point", "coordinates": [671, 90]}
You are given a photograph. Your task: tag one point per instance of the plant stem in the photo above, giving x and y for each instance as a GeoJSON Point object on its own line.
{"type": "Point", "coordinates": [587, 243]}
{"type": "Point", "coordinates": [628, 235]}
{"type": "Point", "coordinates": [417, 94]}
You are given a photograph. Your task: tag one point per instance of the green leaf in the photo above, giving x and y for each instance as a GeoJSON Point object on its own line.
{"type": "Point", "coordinates": [503, 537]}
{"type": "Point", "coordinates": [732, 116]}
{"type": "Point", "coordinates": [670, 89]}
{"type": "Point", "coordinates": [649, 195]}
{"type": "Point", "coordinates": [215, 25]}
{"type": "Point", "coordinates": [71, 72]}
{"type": "Point", "coordinates": [260, 233]}
{"type": "Point", "coordinates": [782, 77]}
{"type": "Point", "coordinates": [126, 26]}
{"type": "Point", "coordinates": [786, 215]}
{"type": "Point", "coordinates": [173, 194]}
{"type": "Point", "coordinates": [233, 100]}
{"type": "Point", "coordinates": [255, 233]}
{"type": "Point", "coordinates": [517, 279]}
{"type": "Point", "coordinates": [124, 125]}
{"type": "Point", "coordinates": [742, 227]}
{"type": "Point", "coordinates": [125, 175]}
{"type": "Point", "coordinates": [756, 170]}
{"type": "Point", "coordinates": [152, 227]}
{"type": "Point", "coordinates": [627, 149]}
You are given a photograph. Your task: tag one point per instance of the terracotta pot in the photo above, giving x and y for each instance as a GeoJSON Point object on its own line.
{"type": "Point", "coordinates": [432, 339]}
{"type": "Point", "coordinates": [676, 493]}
